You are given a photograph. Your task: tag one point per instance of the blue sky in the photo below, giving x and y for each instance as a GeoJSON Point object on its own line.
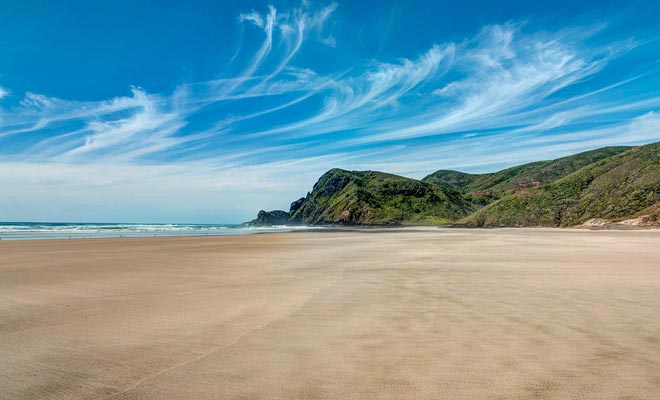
{"type": "Point", "coordinates": [207, 111]}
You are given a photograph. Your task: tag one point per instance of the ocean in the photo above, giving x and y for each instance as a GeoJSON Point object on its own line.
{"type": "Point", "coordinates": [67, 230]}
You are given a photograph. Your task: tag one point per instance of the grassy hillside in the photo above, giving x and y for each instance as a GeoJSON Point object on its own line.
{"type": "Point", "coordinates": [376, 198]}
{"type": "Point", "coordinates": [613, 184]}
{"type": "Point", "coordinates": [459, 181]}
{"type": "Point", "coordinates": [614, 187]}
{"type": "Point", "coordinates": [511, 179]}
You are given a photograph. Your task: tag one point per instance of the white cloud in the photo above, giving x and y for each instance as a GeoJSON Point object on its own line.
{"type": "Point", "coordinates": [329, 41]}
{"type": "Point", "coordinates": [504, 73]}
{"type": "Point", "coordinates": [39, 101]}
{"type": "Point", "coordinates": [450, 89]}
{"type": "Point", "coordinates": [253, 17]}
{"type": "Point", "coordinates": [647, 123]}
{"type": "Point", "coordinates": [129, 135]}
{"type": "Point", "coordinates": [504, 81]}
{"type": "Point", "coordinates": [508, 72]}
{"type": "Point", "coordinates": [188, 192]}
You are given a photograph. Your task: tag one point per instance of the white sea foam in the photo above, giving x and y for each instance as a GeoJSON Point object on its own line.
{"type": "Point", "coordinates": [37, 230]}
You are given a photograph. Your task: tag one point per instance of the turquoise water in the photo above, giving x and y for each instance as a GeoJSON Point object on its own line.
{"type": "Point", "coordinates": [65, 230]}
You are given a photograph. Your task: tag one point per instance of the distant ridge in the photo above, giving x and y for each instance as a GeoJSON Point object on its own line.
{"type": "Point", "coordinates": [613, 188]}
{"type": "Point", "coordinates": [510, 179]}
{"type": "Point", "coordinates": [607, 185]}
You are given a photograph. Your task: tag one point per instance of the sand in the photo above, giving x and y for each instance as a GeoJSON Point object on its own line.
{"type": "Point", "coordinates": [443, 314]}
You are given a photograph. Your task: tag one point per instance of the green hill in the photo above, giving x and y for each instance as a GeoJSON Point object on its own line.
{"type": "Point", "coordinates": [459, 181]}
{"type": "Point", "coordinates": [377, 198]}
{"type": "Point", "coordinates": [615, 187]}
{"type": "Point", "coordinates": [533, 174]}
{"type": "Point", "coordinates": [618, 185]}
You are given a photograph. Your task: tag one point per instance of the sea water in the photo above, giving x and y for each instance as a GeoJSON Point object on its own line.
{"type": "Point", "coordinates": [66, 230]}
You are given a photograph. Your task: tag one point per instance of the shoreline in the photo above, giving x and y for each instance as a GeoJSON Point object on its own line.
{"type": "Point", "coordinates": [329, 229]}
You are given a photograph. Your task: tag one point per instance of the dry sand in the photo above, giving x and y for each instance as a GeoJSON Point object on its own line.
{"type": "Point", "coordinates": [455, 314]}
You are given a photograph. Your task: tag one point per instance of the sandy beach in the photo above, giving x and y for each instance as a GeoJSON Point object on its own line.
{"type": "Point", "coordinates": [441, 314]}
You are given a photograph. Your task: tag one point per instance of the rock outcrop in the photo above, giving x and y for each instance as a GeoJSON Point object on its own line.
{"type": "Point", "coordinates": [270, 218]}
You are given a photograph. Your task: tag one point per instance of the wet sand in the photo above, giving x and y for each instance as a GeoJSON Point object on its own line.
{"type": "Point", "coordinates": [446, 314]}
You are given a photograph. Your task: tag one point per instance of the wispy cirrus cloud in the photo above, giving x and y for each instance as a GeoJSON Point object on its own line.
{"type": "Point", "coordinates": [506, 94]}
